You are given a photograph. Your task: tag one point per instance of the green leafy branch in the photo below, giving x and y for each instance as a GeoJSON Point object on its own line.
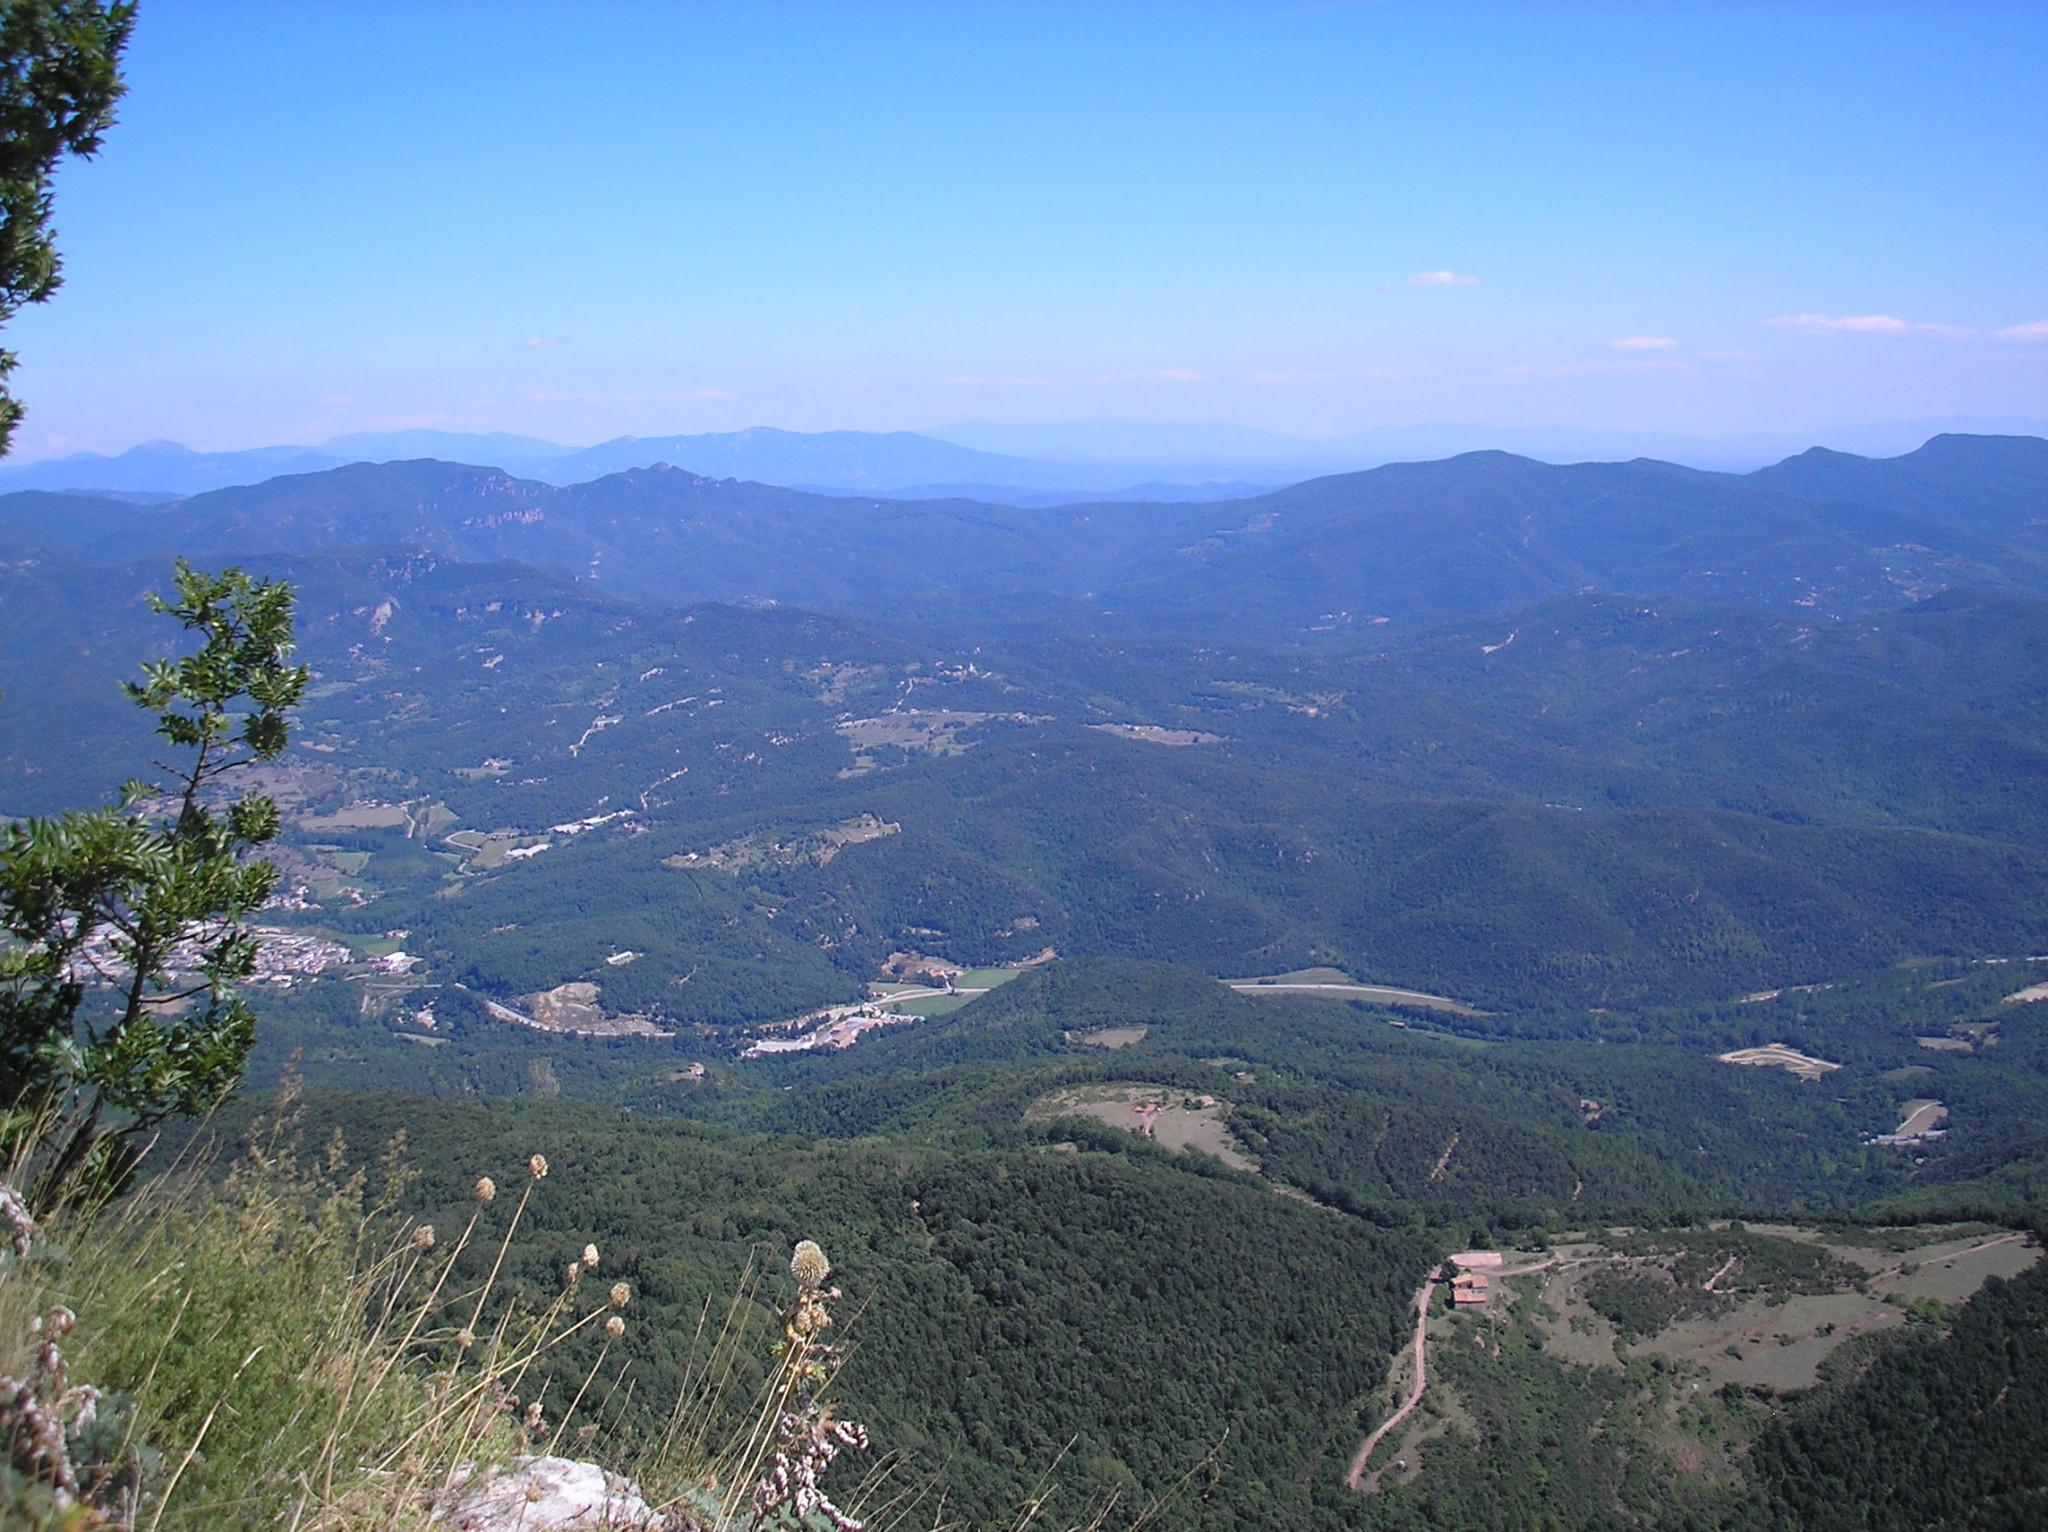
{"type": "Point", "coordinates": [151, 899]}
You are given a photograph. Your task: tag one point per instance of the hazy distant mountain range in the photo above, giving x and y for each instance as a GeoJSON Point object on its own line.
{"type": "Point", "coordinates": [854, 462]}
{"type": "Point", "coordinates": [1211, 446]}
{"type": "Point", "coordinates": [1828, 533]}
{"type": "Point", "coordinates": [1019, 465]}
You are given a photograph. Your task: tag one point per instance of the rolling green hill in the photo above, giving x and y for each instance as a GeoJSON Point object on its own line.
{"type": "Point", "coordinates": [1618, 808]}
{"type": "Point", "coordinates": [1626, 833]}
{"type": "Point", "coordinates": [1018, 1319]}
{"type": "Point", "coordinates": [1487, 532]}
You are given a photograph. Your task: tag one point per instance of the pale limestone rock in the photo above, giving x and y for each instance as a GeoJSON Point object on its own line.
{"type": "Point", "coordinates": [550, 1494]}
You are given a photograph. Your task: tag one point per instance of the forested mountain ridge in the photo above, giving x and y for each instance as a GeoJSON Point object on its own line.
{"type": "Point", "coordinates": [1618, 807]}
{"type": "Point", "coordinates": [1630, 834]}
{"type": "Point", "coordinates": [1484, 532]}
{"type": "Point", "coordinates": [1011, 1309]}
{"type": "Point", "coordinates": [1489, 531]}
{"type": "Point", "coordinates": [1991, 485]}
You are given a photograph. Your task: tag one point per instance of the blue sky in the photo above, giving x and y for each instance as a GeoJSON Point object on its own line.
{"type": "Point", "coordinates": [581, 221]}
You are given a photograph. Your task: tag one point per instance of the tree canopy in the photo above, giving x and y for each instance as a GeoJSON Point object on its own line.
{"type": "Point", "coordinates": [148, 900]}
{"type": "Point", "coordinates": [60, 75]}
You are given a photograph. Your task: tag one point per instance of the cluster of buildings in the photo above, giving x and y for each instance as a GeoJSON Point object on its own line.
{"type": "Point", "coordinates": [282, 957]}
{"type": "Point", "coordinates": [1470, 1287]}
{"type": "Point", "coordinates": [842, 1028]}
{"type": "Point", "coordinates": [578, 826]}
{"type": "Point", "coordinates": [286, 956]}
{"type": "Point", "coordinates": [1922, 1125]}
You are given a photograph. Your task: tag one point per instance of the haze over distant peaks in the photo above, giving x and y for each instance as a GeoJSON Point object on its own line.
{"type": "Point", "coordinates": [1197, 444]}
{"type": "Point", "coordinates": [1021, 465]}
{"type": "Point", "coordinates": [1824, 533]}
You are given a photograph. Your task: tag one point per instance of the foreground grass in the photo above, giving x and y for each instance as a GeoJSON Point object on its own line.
{"type": "Point", "coordinates": [273, 1345]}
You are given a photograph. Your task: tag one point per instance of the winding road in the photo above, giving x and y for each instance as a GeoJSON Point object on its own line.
{"type": "Point", "coordinates": [1356, 1478]}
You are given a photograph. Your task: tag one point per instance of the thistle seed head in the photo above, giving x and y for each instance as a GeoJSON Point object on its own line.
{"type": "Point", "coordinates": [465, 1338]}
{"type": "Point", "coordinates": [573, 1273]}
{"type": "Point", "coordinates": [486, 1189]}
{"type": "Point", "coordinates": [621, 1295]}
{"type": "Point", "coordinates": [423, 1238]}
{"type": "Point", "coordinates": [537, 1167]}
{"type": "Point", "coordinates": [590, 1255]}
{"type": "Point", "coordinates": [615, 1327]}
{"type": "Point", "coordinates": [808, 1265]}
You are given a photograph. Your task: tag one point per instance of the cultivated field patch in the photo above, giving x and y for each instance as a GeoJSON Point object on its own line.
{"type": "Point", "coordinates": [1154, 734]}
{"type": "Point", "coordinates": [1336, 984]}
{"type": "Point", "coordinates": [1762, 1307]}
{"type": "Point", "coordinates": [1779, 1056]}
{"type": "Point", "coordinates": [358, 816]}
{"type": "Point", "coordinates": [817, 847]}
{"type": "Point", "coordinates": [1171, 1118]}
{"type": "Point", "coordinates": [502, 848]}
{"type": "Point", "coordinates": [1945, 1044]}
{"type": "Point", "coordinates": [573, 1010]}
{"type": "Point", "coordinates": [883, 740]}
{"type": "Point", "coordinates": [1109, 1037]}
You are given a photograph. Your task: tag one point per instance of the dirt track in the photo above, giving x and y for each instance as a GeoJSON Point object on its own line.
{"type": "Point", "coordinates": [1356, 1478]}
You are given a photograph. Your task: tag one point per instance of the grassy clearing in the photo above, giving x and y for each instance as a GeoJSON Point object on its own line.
{"type": "Point", "coordinates": [1156, 734]}
{"type": "Point", "coordinates": [1169, 1117]}
{"type": "Point", "coordinates": [365, 816]}
{"type": "Point", "coordinates": [985, 978]}
{"type": "Point", "coordinates": [1763, 1323]}
{"type": "Point", "coordinates": [932, 1005]}
{"type": "Point", "coordinates": [497, 851]}
{"type": "Point", "coordinates": [886, 740]}
{"type": "Point", "coordinates": [1111, 1037]}
{"type": "Point", "coordinates": [1336, 983]}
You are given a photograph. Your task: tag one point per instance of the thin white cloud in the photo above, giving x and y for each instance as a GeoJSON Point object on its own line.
{"type": "Point", "coordinates": [1292, 377]}
{"type": "Point", "coordinates": [1442, 279]}
{"type": "Point", "coordinates": [1643, 343]}
{"type": "Point", "coordinates": [337, 398]}
{"type": "Point", "coordinates": [1731, 356]}
{"type": "Point", "coordinates": [1863, 324]}
{"type": "Point", "coordinates": [972, 382]}
{"type": "Point", "coordinates": [1659, 364]}
{"type": "Point", "coordinates": [1158, 375]}
{"type": "Point", "coordinates": [544, 342]}
{"type": "Point", "coordinates": [2038, 330]}
{"type": "Point", "coordinates": [1855, 324]}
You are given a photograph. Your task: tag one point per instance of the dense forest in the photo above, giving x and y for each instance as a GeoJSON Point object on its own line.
{"type": "Point", "coordinates": [1608, 843]}
{"type": "Point", "coordinates": [1099, 1320]}
{"type": "Point", "coordinates": [1947, 1431]}
{"type": "Point", "coordinates": [1619, 811]}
